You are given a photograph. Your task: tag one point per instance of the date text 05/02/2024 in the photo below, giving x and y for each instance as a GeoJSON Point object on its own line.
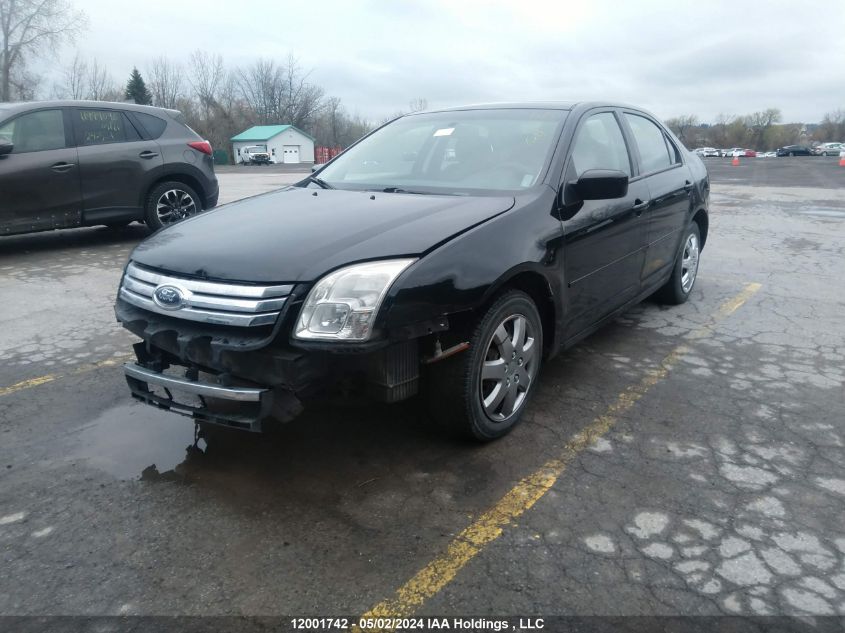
{"type": "Point", "coordinates": [418, 624]}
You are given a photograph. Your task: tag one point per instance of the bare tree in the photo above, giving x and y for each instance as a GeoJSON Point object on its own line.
{"type": "Point", "coordinates": [28, 27]}
{"type": "Point", "coordinates": [101, 86]}
{"type": "Point", "coordinates": [682, 126]}
{"type": "Point", "coordinates": [165, 82]}
{"type": "Point", "coordinates": [300, 100]}
{"type": "Point", "coordinates": [280, 94]}
{"type": "Point", "coordinates": [206, 76]}
{"type": "Point", "coordinates": [418, 104]}
{"type": "Point", "coordinates": [75, 74]}
{"type": "Point", "coordinates": [261, 85]}
{"type": "Point", "coordinates": [760, 123]}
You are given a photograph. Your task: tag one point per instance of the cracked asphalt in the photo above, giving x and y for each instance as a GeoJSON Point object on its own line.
{"type": "Point", "coordinates": [721, 490]}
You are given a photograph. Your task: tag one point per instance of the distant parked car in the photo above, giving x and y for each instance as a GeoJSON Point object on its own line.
{"type": "Point", "coordinates": [707, 151]}
{"type": "Point", "coordinates": [65, 164]}
{"type": "Point", "coordinates": [828, 149]}
{"type": "Point", "coordinates": [766, 154]}
{"type": "Point", "coordinates": [255, 155]}
{"type": "Point", "coordinates": [794, 150]}
{"type": "Point", "coordinates": [749, 153]}
{"type": "Point", "coordinates": [733, 151]}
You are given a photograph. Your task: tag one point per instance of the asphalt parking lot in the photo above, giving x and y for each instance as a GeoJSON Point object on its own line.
{"type": "Point", "coordinates": [686, 460]}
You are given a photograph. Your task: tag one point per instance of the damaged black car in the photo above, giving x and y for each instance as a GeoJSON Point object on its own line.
{"type": "Point", "coordinates": [448, 254]}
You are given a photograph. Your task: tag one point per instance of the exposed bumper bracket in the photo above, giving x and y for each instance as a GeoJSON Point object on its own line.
{"type": "Point", "coordinates": [253, 404]}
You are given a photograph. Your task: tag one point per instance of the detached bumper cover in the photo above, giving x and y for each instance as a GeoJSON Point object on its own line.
{"type": "Point", "coordinates": [253, 404]}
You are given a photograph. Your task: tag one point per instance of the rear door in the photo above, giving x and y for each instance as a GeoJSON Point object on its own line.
{"type": "Point", "coordinates": [39, 180]}
{"type": "Point", "coordinates": [605, 239]}
{"type": "Point", "coordinates": [670, 187]}
{"type": "Point", "coordinates": [114, 162]}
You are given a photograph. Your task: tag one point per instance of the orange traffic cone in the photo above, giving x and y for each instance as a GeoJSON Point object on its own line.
{"type": "Point", "coordinates": [842, 159]}
{"type": "Point", "coordinates": [735, 161]}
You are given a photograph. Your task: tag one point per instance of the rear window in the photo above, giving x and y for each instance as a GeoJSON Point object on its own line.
{"type": "Point", "coordinates": [153, 125]}
{"type": "Point", "coordinates": [654, 154]}
{"type": "Point", "coordinates": [101, 127]}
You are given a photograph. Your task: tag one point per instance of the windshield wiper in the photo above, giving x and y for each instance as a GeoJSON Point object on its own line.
{"type": "Point", "coordinates": [400, 190]}
{"type": "Point", "coordinates": [319, 181]}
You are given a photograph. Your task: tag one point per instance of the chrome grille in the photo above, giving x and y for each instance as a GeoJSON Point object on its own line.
{"type": "Point", "coordinates": [204, 301]}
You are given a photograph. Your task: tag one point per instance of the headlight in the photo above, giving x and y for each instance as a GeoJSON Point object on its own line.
{"type": "Point", "coordinates": [343, 305]}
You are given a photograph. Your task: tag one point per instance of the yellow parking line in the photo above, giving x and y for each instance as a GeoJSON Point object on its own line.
{"type": "Point", "coordinates": [80, 369]}
{"type": "Point", "coordinates": [490, 525]}
{"type": "Point", "coordinates": [732, 305]}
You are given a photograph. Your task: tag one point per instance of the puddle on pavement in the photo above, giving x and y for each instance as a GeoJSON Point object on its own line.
{"type": "Point", "coordinates": [135, 441]}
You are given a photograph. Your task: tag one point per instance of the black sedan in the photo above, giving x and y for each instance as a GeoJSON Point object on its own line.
{"type": "Point", "coordinates": [449, 252]}
{"type": "Point", "coordinates": [794, 150]}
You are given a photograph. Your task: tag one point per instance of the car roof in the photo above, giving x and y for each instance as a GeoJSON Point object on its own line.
{"type": "Point", "coordinates": [20, 106]}
{"type": "Point", "coordinates": [535, 105]}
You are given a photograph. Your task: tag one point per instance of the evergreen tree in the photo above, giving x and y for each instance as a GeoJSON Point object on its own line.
{"type": "Point", "coordinates": [136, 89]}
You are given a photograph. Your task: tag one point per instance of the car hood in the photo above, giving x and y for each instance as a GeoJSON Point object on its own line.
{"type": "Point", "coordinates": [297, 235]}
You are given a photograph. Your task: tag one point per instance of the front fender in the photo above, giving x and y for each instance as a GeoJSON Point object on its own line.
{"type": "Point", "coordinates": [468, 271]}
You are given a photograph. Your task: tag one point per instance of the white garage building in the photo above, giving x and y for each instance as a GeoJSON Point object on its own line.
{"type": "Point", "coordinates": [285, 143]}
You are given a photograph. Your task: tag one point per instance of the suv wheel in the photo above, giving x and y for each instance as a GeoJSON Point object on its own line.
{"type": "Point", "coordinates": [170, 202]}
{"type": "Point", "coordinates": [483, 392]}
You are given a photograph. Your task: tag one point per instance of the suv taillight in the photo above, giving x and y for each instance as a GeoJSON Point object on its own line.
{"type": "Point", "coordinates": [201, 146]}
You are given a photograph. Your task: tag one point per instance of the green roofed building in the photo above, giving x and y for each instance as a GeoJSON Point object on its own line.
{"type": "Point", "coordinates": [284, 143]}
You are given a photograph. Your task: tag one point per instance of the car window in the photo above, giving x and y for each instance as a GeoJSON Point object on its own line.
{"type": "Point", "coordinates": [131, 133]}
{"type": "Point", "coordinates": [153, 125]}
{"type": "Point", "coordinates": [98, 127]}
{"type": "Point", "coordinates": [459, 151]}
{"type": "Point", "coordinates": [599, 144]}
{"type": "Point", "coordinates": [650, 142]}
{"type": "Point", "coordinates": [35, 132]}
{"type": "Point", "coordinates": [674, 154]}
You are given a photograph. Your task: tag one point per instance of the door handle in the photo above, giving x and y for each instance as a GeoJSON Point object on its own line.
{"type": "Point", "coordinates": [148, 154]}
{"type": "Point", "coordinates": [640, 206]}
{"type": "Point", "coordinates": [688, 186]}
{"type": "Point", "coordinates": [62, 167]}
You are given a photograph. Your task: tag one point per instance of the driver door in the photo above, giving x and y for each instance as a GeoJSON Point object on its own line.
{"type": "Point", "coordinates": [604, 241]}
{"type": "Point", "coordinates": [40, 177]}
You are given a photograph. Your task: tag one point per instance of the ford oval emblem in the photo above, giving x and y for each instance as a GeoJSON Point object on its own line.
{"type": "Point", "coordinates": [169, 297]}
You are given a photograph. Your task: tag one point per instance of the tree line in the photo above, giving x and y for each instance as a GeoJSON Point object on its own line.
{"type": "Point", "coordinates": [218, 101]}
{"type": "Point", "coordinates": [762, 131]}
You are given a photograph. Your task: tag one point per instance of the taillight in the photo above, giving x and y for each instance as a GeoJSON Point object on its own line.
{"type": "Point", "coordinates": [201, 146]}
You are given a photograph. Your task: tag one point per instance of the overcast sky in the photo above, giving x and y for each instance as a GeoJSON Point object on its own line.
{"type": "Point", "coordinates": [673, 57]}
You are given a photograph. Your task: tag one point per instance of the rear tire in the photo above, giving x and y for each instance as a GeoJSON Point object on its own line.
{"type": "Point", "coordinates": [482, 393]}
{"type": "Point", "coordinates": [679, 286]}
{"type": "Point", "coordinates": [169, 202]}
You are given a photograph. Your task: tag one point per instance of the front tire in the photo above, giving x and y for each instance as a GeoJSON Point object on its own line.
{"type": "Point", "coordinates": [482, 393]}
{"type": "Point", "coordinates": [170, 202]}
{"type": "Point", "coordinates": [679, 286]}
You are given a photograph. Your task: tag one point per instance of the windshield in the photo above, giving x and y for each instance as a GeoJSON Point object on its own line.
{"type": "Point", "coordinates": [467, 151]}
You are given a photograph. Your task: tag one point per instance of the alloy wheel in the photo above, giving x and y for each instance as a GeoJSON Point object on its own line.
{"type": "Point", "coordinates": [689, 263]}
{"type": "Point", "coordinates": [508, 368]}
{"type": "Point", "coordinates": [174, 205]}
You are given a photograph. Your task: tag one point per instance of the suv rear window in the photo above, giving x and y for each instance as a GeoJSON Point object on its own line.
{"type": "Point", "coordinates": [100, 127]}
{"type": "Point", "coordinates": [153, 125]}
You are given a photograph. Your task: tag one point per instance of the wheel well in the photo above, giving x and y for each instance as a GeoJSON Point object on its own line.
{"type": "Point", "coordinates": [192, 182]}
{"type": "Point", "coordinates": [536, 287]}
{"type": "Point", "coordinates": [703, 222]}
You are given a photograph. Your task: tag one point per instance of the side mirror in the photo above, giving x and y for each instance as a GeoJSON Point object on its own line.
{"type": "Point", "coordinates": [6, 148]}
{"type": "Point", "coordinates": [601, 184]}
{"type": "Point", "coordinates": [316, 167]}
